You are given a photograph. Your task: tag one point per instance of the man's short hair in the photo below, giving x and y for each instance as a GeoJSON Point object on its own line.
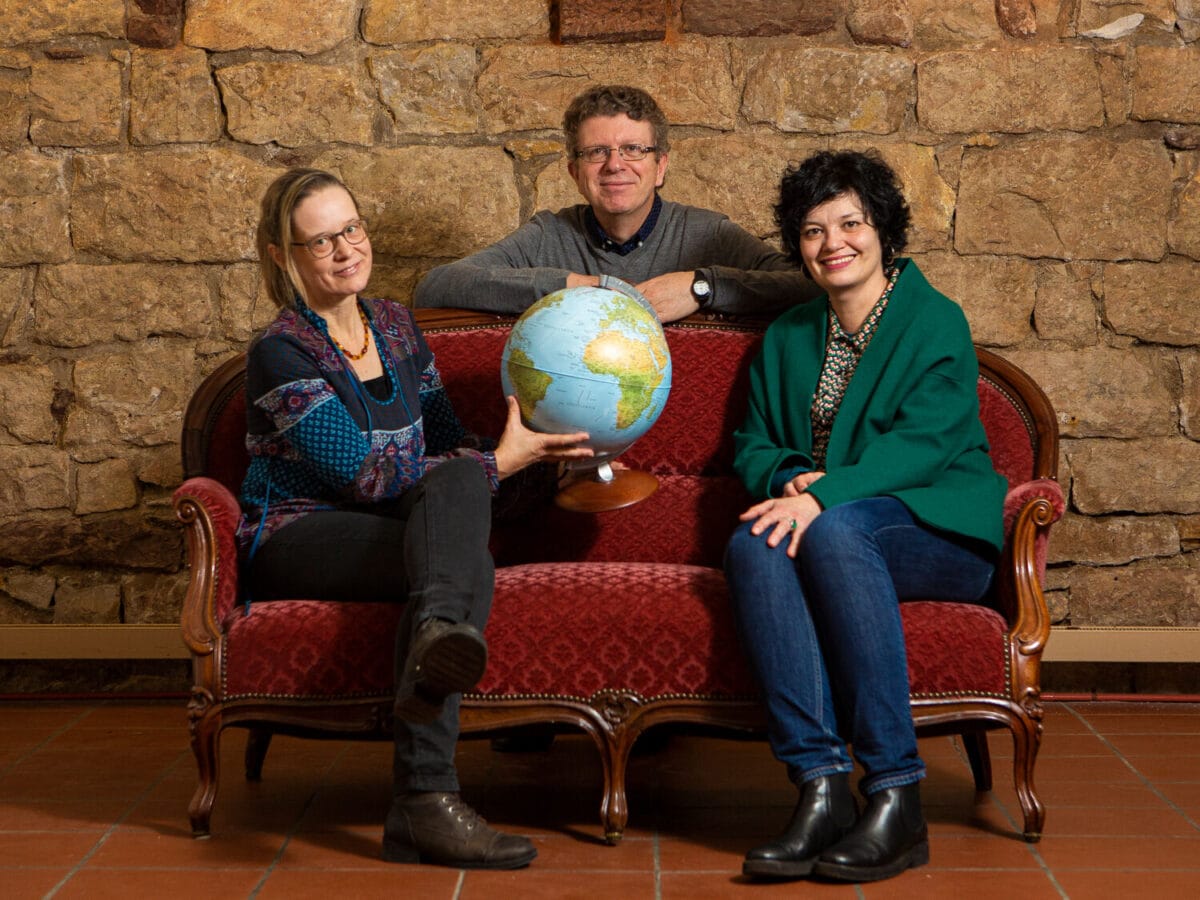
{"type": "Point", "coordinates": [613, 100]}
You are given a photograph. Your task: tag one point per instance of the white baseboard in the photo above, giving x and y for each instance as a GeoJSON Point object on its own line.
{"type": "Point", "coordinates": [1086, 644]}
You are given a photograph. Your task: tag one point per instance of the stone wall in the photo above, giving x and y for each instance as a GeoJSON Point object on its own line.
{"type": "Point", "coordinates": [1049, 149]}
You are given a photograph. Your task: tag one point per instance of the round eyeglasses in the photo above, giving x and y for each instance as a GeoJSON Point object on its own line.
{"type": "Point", "coordinates": [322, 245]}
{"type": "Point", "coordinates": [627, 152]}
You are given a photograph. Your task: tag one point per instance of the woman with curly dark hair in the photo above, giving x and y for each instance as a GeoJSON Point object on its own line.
{"type": "Point", "coordinates": [863, 444]}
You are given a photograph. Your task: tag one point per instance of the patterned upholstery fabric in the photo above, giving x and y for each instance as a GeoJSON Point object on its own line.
{"type": "Point", "coordinates": [557, 570]}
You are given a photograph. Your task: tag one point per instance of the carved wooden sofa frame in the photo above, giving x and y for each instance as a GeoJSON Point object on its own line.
{"type": "Point", "coordinates": [612, 623]}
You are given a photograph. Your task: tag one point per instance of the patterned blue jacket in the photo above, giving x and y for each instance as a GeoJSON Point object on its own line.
{"type": "Point", "coordinates": [319, 440]}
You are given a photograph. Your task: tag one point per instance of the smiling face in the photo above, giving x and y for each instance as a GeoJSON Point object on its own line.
{"type": "Point", "coordinates": [619, 191]}
{"type": "Point", "coordinates": [343, 274]}
{"type": "Point", "coordinates": [842, 251]}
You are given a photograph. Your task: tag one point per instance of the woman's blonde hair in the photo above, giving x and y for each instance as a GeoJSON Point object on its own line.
{"type": "Point", "coordinates": [275, 228]}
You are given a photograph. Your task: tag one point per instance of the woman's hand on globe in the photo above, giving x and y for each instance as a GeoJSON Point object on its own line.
{"type": "Point", "coordinates": [520, 447]}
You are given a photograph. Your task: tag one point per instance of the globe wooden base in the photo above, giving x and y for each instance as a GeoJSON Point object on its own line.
{"type": "Point", "coordinates": [591, 495]}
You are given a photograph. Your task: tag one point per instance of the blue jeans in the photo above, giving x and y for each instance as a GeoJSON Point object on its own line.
{"type": "Point", "coordinates": [823, 633]}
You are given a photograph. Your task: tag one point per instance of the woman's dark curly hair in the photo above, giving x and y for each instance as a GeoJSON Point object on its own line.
{"type": "Point", "coordinates": [826, 175]}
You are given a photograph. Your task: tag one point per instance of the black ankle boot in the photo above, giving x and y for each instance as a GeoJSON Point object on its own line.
{"type": "Point", "coordinates": [890, 837]}
{"type": "Point", "coordinates": [825, 812]}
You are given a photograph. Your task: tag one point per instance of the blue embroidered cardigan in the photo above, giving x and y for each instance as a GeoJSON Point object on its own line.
{"type": "Point", "coordinates": [318, 440]}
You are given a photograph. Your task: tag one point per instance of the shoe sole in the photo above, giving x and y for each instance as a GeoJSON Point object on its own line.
{"type": "Point", "coordinates": [394, 852]}
{"type": "Point", "coordinates": [917, 856]}
{"type": "Point", "coordinates": [452, 664]}
{"type": "Point", "coordinates": [774, 868]}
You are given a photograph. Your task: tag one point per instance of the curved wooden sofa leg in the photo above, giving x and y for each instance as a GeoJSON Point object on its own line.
{"type": "Point", "coordinates": [204, 727]}
{"type": "Point", "coordinates": [614, 754]}
{"type": "Point", "coordinates": [258, 742]}
{"type": "Point", "coordinates": [976, 746]}
{"type": "Point", "coordinates": [1027, 740]}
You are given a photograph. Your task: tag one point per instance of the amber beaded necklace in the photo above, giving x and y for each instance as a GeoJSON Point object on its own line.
{"type": "Point", "coordinates": [366, 339]}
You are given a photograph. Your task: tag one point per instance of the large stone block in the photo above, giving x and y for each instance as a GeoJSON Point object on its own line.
{"type": "Point", "coordinates": [32, 478]}
{"type": "Point", "coordinates": [75, 102]}
{"type": "Point", "coordinates": [243, 304]}
{"type": "Point", "coordinates": [1012, 90]}
{"type": "Point", "coordinates": [1112, 540]}
{"type": "Point", "coordinates": [962, 23]}
{"type": "Point", "coordinates": [529, 87]}
{"type": "Point", "coordinates": [105, 486]}
{"type": "Point", "coordinates": [1067, 308]}
{"type": "Point", "coordinates": [154, 23]}
{"type": "Point", "coordinates": [930, 198]}
{"type": "Point", "coordinates": [612, 21]}
{"type": "Point", "coordinates": [886, 22]}
{"type": "Point", "coordinates": [1065, 197]}
{"type": "Point", "coordinates": [190, 206]}
{"type": "Point", "coordinates": [172, 98]}
{"type": "Point", "coordinates": [1146, 594]}
{"type": "Point", "coordinates": [153, 599]}
{"type": "Point", "coordinates": [129, 539]}
{"type": "Point", "coordinates": [269, 25]}
{"type": "Point", "coordinates": [77, 305]}
{"type": "Point", "coordinates": [33, 196]}
{"type": "Point", "coordinates": [700, 174]}
{"type": "Point", "coordinates": [411, 21]}
{"type": "Point", "coordinates": [14, 107]}
{"type": "Point", "coordinates": [296, 103]}
{"type": "Point", "coordinates": [1102, 392]}
{"type": "Point", "coordinates": [760, 17]}
{"type": "Point", "coordinates": [136, 397]}
{"type": "Point", "coordinates": [83, 602]}
{"type": "Point", "coordinates": [26, 402]}
{"type": "Point", "coordinates": [29, 586]}
{"type": "Point", "coordinates": [16, 305]}
{"type": "Point", "coordinates": [1189, 407]}
{"type": "Point", "coordinates": [464, 202]}
{"type": "Point", "coordinates": [827, 91]}
{"type": "Point", "coordinates": [1183, 231]}
{"type": "Point", "coordinates": [36, 21]}
{"type": "Point", "coordinates": [1091, 15]}
{"type": "Point", "coordinates": [429, 90]}
{"type": "Point", "coordinates": [996, 293]}
{"type": "Point", "coordinates": [1149, 475]}
{"type": "Point", "coordinates": [1154, 302]}
{"type": "Point", "coordinates": [1166, 84]}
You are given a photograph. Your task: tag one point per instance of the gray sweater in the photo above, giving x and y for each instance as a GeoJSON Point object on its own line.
{"type": "Point", "coordinates": [748, 276]}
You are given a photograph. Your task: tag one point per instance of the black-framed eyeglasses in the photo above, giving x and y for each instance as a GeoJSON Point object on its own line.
{"type": "Point", "coordinates": [627, 152]}
{"type": "Point", "coordinates": [322, 245]}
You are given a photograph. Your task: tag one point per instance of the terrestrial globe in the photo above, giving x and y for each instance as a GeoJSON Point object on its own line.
{"type": "Point", "coordinates": [591, 359]}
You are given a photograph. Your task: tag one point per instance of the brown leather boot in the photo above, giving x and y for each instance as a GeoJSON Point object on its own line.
{"type": "Point", "coordinates": [444, 658]}
{"type": "Point", "coordinates": [440, 829]}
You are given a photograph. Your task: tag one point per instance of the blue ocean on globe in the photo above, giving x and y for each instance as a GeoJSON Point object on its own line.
{"type": "Point", "coordinates": [589, 359]}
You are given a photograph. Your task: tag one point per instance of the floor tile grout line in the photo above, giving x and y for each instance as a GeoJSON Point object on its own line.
{"type": "Point", "coordinates": [322, 781]}
{"type": "Point", "coordinates": [57, 733]}
{"type": "Point", "coordinates": [1149, 785]}
{"type": "Point", "coordinates": [116, 825]}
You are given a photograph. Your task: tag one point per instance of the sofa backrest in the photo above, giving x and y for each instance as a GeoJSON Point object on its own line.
{"type": "Point", "coordinates": [689, 518]}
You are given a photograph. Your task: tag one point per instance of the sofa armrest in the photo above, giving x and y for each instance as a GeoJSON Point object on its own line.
{"type": "Point", "coordinates": [210, 514]}
{"type": "Point", "coordinates": [1029, 511]}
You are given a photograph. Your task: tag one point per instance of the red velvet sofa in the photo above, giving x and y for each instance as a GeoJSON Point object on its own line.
{"type": "Point", "coordinates": [612, 622]}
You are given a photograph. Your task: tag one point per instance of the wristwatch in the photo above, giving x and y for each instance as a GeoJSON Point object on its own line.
{"type": "Point", "coordinates": [702, 289]}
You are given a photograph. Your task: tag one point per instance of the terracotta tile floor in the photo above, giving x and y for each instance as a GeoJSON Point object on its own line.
{"type": "Point", "coordinates": [93, 801]}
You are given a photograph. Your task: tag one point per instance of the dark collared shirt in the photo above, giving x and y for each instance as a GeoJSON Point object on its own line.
{"type": "Point", "coordinates": [599, 235]}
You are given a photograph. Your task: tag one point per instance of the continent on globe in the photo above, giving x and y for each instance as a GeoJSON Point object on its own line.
{"type": "Point", "coordinates": [589, 359]}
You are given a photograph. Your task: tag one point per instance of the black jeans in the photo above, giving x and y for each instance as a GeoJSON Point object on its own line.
{"type": "Point", "coordinates": [428, 550]}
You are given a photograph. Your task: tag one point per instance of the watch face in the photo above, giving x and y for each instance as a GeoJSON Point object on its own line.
{"type": "Point", "coordinates": [700, 288]}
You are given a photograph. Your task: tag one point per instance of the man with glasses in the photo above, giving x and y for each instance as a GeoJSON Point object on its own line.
{"type": "Point", "coordinates": [681, 258]}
